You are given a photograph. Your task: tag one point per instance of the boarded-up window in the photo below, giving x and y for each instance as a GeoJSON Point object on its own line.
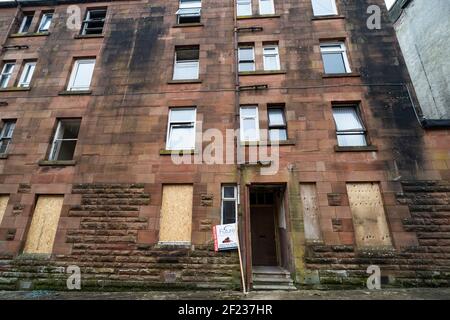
{"type": "Point", "coordinates": [310, 205]}
{"type": "Point", "coordinates": [369, 219]}
{"type": "Point", "coordinates": [3, 203]}
{"type": "Point", "coordinates": [176, 214]}
{"type": "Point", "coordinates": [44, 224]}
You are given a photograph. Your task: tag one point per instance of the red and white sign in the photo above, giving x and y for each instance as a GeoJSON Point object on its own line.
{"type": "Point", "coordinates": [225, 237]}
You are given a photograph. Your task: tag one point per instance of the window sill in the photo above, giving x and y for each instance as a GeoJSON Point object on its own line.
{"type": "Point", "coordinates": [57, 163]}
{"type": "Point", "coordinates": [267, 143]}
{"type": "Point", "coordinates": [262, 16]}
{"type": "Point", "coordinates": [355, 149]}
{"type": "Point", "coordinates": [188, 25]}
{"type": "Point", "coordinates": [261, 73]}
{"type": "Point", "coordinates": [25, 35]}
{"type": "Point", "coordinates": [165, 152]}
{"type": "Point", "coordinates": [4, 156]}
{"type": "Point", "coordinates": [329, 17]}
{"type": "Point", "coordinates": [88, 36]}
{"type": "Point", "coordinates": [75, 93]}
{"type": "Point", "coordinates": [341, 75]}
{"type": "Point", "coordinates": [184, 81]}
{"type": "Point", "coordinates": [15, 89]}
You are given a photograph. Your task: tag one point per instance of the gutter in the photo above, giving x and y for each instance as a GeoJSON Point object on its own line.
{"type": "Point", "coordinates": [435, 124]}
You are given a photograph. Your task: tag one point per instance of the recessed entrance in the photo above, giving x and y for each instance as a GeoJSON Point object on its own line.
{"type": "Point", "coordinates": [269, 239]}
{"type": "Point", "coordinates": [262, 215]}
{"type": "Point", "coordinates": [268, 225]}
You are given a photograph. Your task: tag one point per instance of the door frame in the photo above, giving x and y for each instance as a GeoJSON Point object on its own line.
{"type": "Point", "coordinates": [247, 226]}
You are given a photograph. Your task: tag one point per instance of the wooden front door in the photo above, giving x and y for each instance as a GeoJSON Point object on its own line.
{"type": "Point", "coordinates": [264, 251]}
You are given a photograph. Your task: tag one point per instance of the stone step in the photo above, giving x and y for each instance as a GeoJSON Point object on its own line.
{"type": "Point", "coordinates": [274, 287]}
{"type": "Point", "coordinates": [261, 280]}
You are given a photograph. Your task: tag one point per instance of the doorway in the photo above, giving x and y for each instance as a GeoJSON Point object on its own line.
{"type": "Point", "coordinates": [268, 226]}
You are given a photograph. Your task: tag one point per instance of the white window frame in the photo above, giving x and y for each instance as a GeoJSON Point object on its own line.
{"type": "Point", "coordinates": [255, 118]}
{"type": "Point", "coordinates": [7, 75]}
{"type": "Point", "coordinates": [276, 54]}
{"type": "Point", "coordinates": [73, 75]}
{"type": "Point", "coordinates": [54, 151]}
{"type": "Point", "coordinates": [325, 47]}
{"type": "Point", "coordinates": [88, 20]}
{"type": "Point", "coordinates": [240, 5]}
{"type": "Point", "coordinates": [27, 74]}
{"type": "Point", "coordinates": [352, 132]}
{"type": "Point", "coordinates": [246, 61]}
{"type": "Point", "coordinates": [277, 126]}
{"type": "Point", "coordinates": [189, 8]}
{"type": "Point", "coordinates": [316, 14]}
{"type": "Point", "coordinates": [182, 64]}
{"type": "Point", "coordinates": [7, 136]}
{"type": "Point", "coordinates": [179, 124]}
{"type": "Point", "coordinates": [224, 199]}
{"type": "Point", "coordinates": [44, 20]}
{"type": "Point", "coordinates": [271, 2]}
{"type": "Point", "coordinates": [24, 21]}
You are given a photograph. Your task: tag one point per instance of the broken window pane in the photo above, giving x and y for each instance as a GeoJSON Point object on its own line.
{"type": "Point", "coordinates": [65, 140]}
{"type": "Point", "coordinates": [94, 22]}
{"type": "Point", "coordinates": [26, 23]}
{"type": "Point", "coordinates": [6, 135]}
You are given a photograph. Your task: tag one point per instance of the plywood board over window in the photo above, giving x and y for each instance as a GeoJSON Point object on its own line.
{"type": "Point", "coordinates": [3, 204]}
{"type": "Point", "coordinates": [310, 205]}
{"type": "Point", "coordinates": [44, 224]}
{"type": "Point", "coordinates": [369, 219]}
{"type": "Point", "coordinates": [176, 214]}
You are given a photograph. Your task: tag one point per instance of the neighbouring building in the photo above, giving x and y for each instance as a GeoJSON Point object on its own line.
{"type": "Point", "coordinates": [422, 30]}
{"type": "Point", "coordinates": [97, 97]}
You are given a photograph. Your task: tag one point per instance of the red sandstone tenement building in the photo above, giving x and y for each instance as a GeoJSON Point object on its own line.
{"type": "Point", "coordinates": [95, 95]}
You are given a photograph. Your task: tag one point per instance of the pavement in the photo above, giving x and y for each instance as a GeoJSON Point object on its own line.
{"type": "Point", "coordinates": [383, 294]}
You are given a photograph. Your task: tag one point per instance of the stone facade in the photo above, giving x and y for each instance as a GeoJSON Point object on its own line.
{"type": "Point", "coordinates": [426, 52]}
{"type": "Point", "coordinates": [109, 224]}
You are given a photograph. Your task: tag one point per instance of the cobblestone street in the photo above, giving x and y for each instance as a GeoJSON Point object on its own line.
{"type": "Point", "coordinates": [391, 294]}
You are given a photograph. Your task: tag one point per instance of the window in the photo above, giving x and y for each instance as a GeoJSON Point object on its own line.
{"type": "Point", "coordinates": [26, 23]}
{"type": "Point", "coordinates": [3, 203]}
{"type": "Point", "coordinates": [271, 57]}
{"type": "Point", "coordinates": [229, 204]}
{"type": "Point", "coordinates": [27, 74]}
{"type": "Point", "coordinates": [335, 59]}
{"type": "Point", "coordinates": [324, 7]}
{"type": "Point", "coordinates": [5, 76]}
{"type": "Point", "coordinates": [176, 215]}
{"type": "Point", "coordinates": [45, 22]}
{"type": "Point", "coordinates": [369, 216]}
{"type": "Point", "coordinates": [6, 135]}
{"type": "Point", "coordinates": [266, 7]}
{"type": "Point", "coordinates": [249, 124]}
{"type": "Point", "coordinates": [244, 8]}
{"type": "Point", "coordinates": [349, 127]}
{"type": "Point", "coordinates": [186, 63]}
{"type": "Point", "coordinates": [246, 58]}
{"type": "Point", "coordinates": [189, 11]}
{"type": "Point", "coordinates": [81, 76]}
{"type": "Point", "coordinates": [42, 232]}
{"type": "Point", "coordinates": [277, 124]}
{"type": "Point", "coordinates": [181, 129]}
{"type": "Point", "coordinates": [94, 22]}
{"type": "Point", "coordinates": [65, 140]}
